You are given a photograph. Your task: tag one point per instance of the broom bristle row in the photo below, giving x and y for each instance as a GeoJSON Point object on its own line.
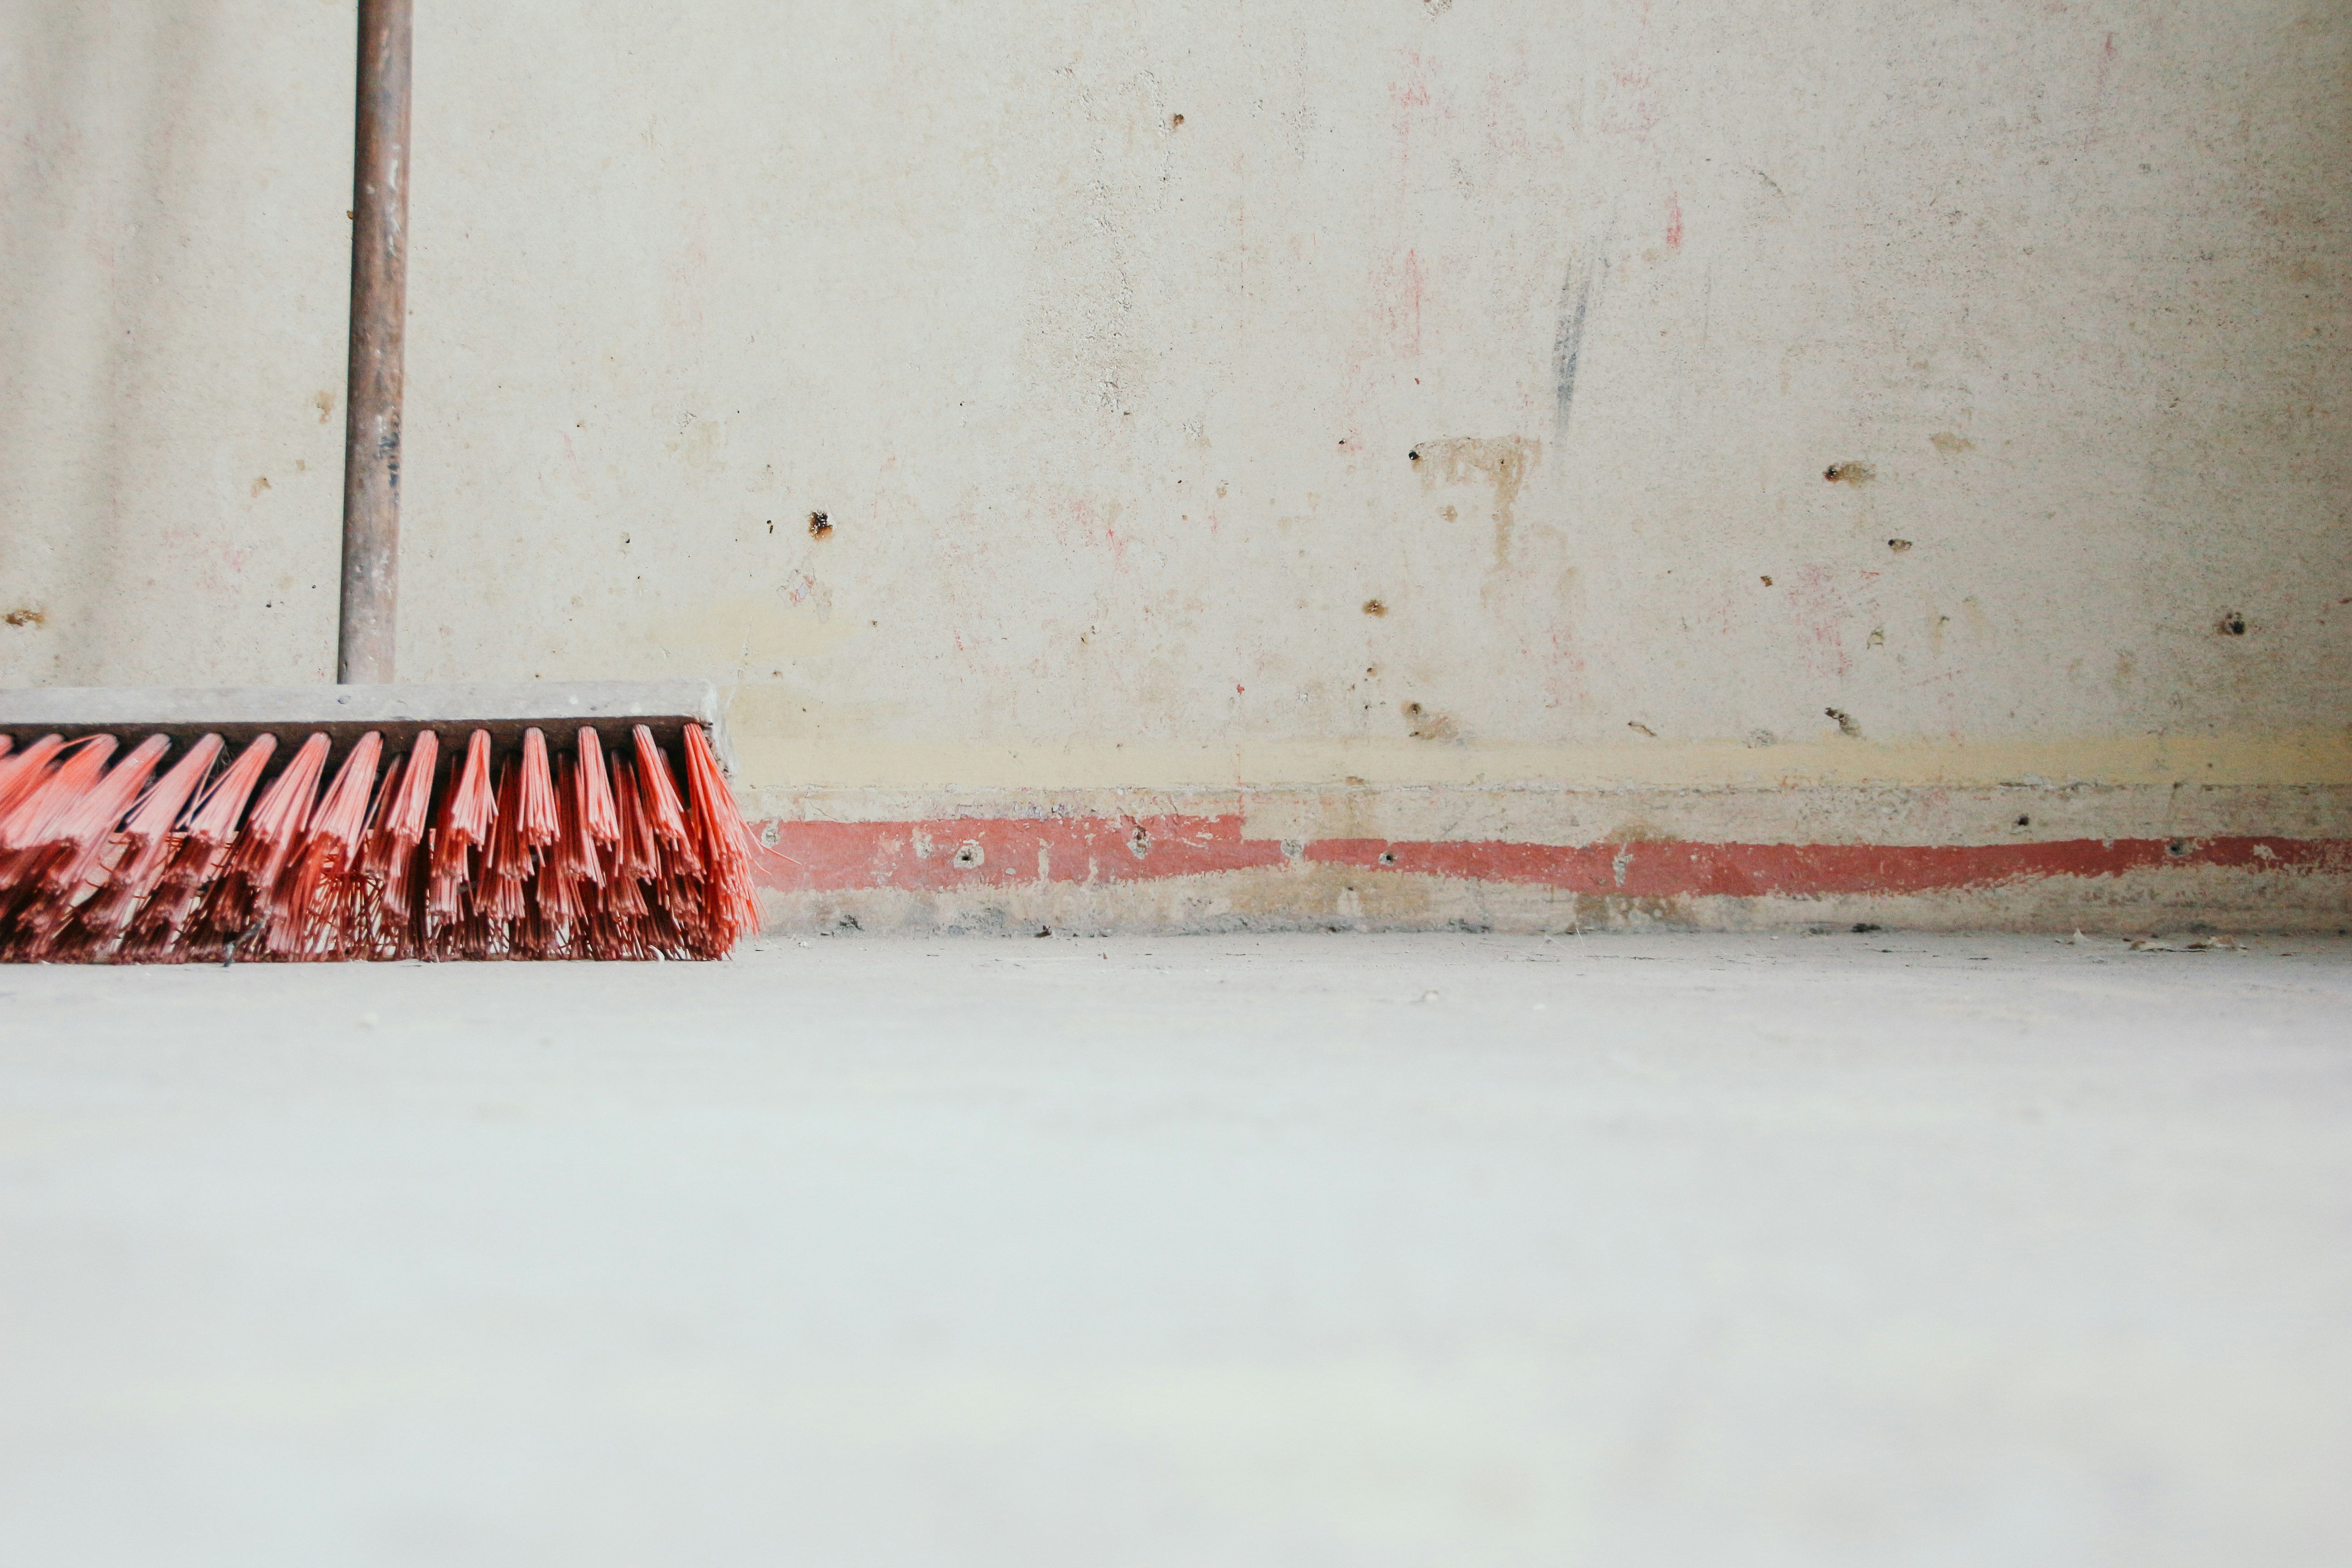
{"type": "Point", "coordinates": [540, 855]}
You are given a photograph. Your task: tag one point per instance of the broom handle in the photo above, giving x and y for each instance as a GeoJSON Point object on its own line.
{"type": "Point", "coordinates": [371, 588]}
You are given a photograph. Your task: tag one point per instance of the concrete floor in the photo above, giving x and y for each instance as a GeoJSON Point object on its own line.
{"type": "Point", "coordinates": [1351, 1250]}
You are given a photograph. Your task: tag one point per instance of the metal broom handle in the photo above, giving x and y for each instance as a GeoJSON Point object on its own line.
{"type": "Point", "coordinates": [371, 586]}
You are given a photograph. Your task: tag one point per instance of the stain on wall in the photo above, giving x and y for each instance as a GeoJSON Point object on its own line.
{"type": "Point", "coordinates": [1502, 463]}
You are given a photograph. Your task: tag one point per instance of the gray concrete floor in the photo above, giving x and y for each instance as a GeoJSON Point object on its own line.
{"type": "Point", "coordinates": [1859, 1249]}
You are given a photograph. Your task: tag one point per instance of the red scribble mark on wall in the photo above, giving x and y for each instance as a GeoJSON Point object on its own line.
{"type": "Point", "coordinates": [836, 856]}
{"type": "Point", "coordinates": [1408, 95]}
{"type": "Point", "coordinates": [1564, 679]}
{"type": "Point", "coordinates": [1820, 611]}
{"type": "Point", "coordinates": [1401, 285]}
{"type": "Point", "coordinates": [1634, 106]}
{"type": "Point", "coordinates": [1077, 522]}
{"type": "Point", "coordinates": [1506, 126]}
{"type": "Point", "coordinates": [1413, 92]}
{"type": "Point", "coordinates": [1673, 221]}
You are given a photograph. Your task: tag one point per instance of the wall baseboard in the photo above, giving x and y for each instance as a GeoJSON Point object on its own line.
{"type": "Point", "coordinates": [2014, 857]}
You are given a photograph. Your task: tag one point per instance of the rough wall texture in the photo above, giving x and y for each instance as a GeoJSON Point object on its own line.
{"type": "Point", "coordinates": [1505, 423]}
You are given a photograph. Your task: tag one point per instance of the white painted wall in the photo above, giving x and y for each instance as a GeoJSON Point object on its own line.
{"type": "Point", "coordinates": [1112, 415]}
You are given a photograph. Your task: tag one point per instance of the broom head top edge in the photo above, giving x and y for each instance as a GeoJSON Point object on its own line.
{"type": "Point", "coordinates": [236, 713]}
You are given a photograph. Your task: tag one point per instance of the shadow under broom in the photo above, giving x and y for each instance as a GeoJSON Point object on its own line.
{"type": "Point", "coordinates": [366, 841]}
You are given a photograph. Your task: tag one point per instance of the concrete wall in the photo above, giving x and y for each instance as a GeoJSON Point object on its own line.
{"type": "Point", "coordinates": [1312, 426]}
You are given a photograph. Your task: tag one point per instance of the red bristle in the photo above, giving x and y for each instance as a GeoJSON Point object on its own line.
{"type": "Point", "coordinates": [307, 906]}
{"type": "Point", "coordinates": [383, 862]}
{"type": "Point", "coordinates": [159, 810]}
{"type": "Point", "coordinates": [248, 892]}
{"type": "Point", "coordinates": [467, 816]}
{"type": "Point", "coordinates": [582, 804]}
{"type": "Point", "coordinates": [559, 900]}
{"type": "Point", "coordinates": [26, 823]}
{"type": "Point", "coordinates": [657, 792]}
{"type": "Point", "coordinates": [21, 774]}
{"type": "Point", "coordinates": [625, 898]}
{"type": "Point", "coordinates": [444, 885]}
{"type": "Point", "coordinates": [273, 829]}
{"type": "Point", "coordinates": [537, 822]}
{"type": "Point", "coordinates": [501, 899]}
{"type": "Point", "coordinates": [725, 843]}
{"type": "Point", "coordinates": [572, 853]}
{"type": "Point", "coordinates": [465, 819]}
{"type": "Point", "coordinates": [407, 814]}
{"type": "Point", "coordinates": [509, 858]}
{"type": "Point", "coordinates": [401, 826]}
{"type": "Point", "coordinates": [557, 889]}
{"type": "Point", "coordinates": [147, 843]}
{"type": "Point", "coordinates": [376, 845]}
{"type": "Point", "coordinates": [637, 854]}
{"type": "Point", "coordinates": [472, 804]}
{"type": "Point", "coordinates": [355, 898]}
{"type": "Point", "coordinates": [214, 819]}
{"type": "Point", "coordinates": [82, 833]}
{"type": "Point", "coordinates": [61, 837]}
{"type": "Point", "coordinates": [342, 810]}
{"type": "Point", "coordinates": [600, 819]}
{"type": "Point", "coordinates": [634, 859]}
{"type": "Point", "coordinates": [506, 862]}
{"type": "Point", "coordinates": [202, 855]}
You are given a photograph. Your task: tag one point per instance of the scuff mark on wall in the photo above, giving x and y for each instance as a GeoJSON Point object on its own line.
{"type": "Point", "coordinates": [1568, 342]}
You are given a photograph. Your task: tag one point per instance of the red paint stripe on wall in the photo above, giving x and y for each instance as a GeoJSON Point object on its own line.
{"type": "Point", "coordinates": [960, 852]}
{"type": "Point", "coordinates": [1653, 870]}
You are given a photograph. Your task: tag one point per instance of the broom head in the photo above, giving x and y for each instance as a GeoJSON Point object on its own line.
{"type": "Point", "coordinates": [588, 820]}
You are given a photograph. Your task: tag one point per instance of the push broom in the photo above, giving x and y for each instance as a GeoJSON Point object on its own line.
{"type": "Point", "coordinates": [368, 820]}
